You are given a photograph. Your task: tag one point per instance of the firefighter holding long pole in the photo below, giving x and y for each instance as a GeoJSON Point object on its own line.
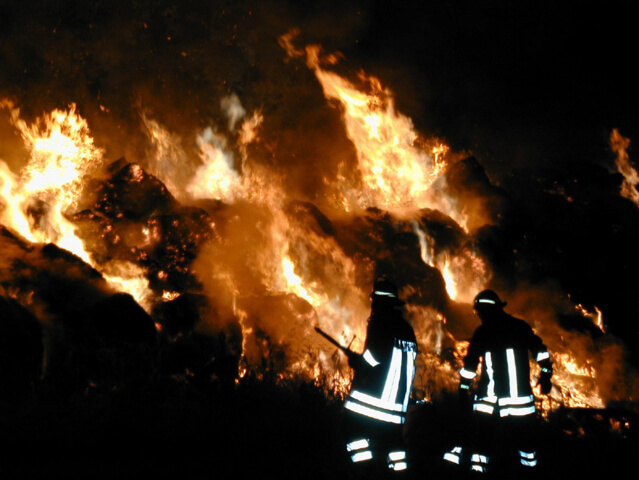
{"type": "Point", "coordinates": [375, 409]}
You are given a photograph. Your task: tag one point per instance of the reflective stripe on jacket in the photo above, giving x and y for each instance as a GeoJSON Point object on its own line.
{"type": "Point", "coordinates": [382, 386]}
{"type": "Point", "coordinates": [502, 345]}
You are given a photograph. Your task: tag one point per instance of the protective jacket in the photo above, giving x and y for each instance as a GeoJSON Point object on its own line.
{"type": "Point", "coordinates": [502, 343]}
{"type": "Point", "coordinates": [384, 373]}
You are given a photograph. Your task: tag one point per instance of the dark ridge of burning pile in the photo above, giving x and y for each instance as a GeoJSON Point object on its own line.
{"type": "Point", "coordinates": [390, 246]}
{"type": "Point", "coordinates": [118, 208]}
{"type": "Point", "coordinates": [572, 227]}
{"type": "Point", "coordinates": [97, 338]}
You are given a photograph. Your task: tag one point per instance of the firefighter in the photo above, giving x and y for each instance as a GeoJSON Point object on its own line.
{"type": "Point", "coordinates": [375, 409]}
{"type": "Point", "coordinates": [503, 404]}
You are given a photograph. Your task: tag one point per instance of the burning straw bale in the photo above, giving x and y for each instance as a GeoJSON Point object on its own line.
{"type": "Point", "coordinates": [280, 326]}
{"type": "Point", "coordinates": [81, 317]}
{"type": "Point", "coordinates": [132, 193]}
{"type": "Point", "coordinates": [131, 216]}
{"type": "Point", "coordinates": [50, 280]}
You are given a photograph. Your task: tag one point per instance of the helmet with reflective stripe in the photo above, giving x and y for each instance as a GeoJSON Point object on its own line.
{"type": "Point", "coordinates": [488, 299]}
{"type": "Point", "coordinates": [386, 291]}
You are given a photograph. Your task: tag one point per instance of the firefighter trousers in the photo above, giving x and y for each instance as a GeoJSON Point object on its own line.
{"type": "Point", "coordinates": [375, 448]}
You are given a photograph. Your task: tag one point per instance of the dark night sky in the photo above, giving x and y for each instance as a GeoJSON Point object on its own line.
{"type": "Point", "coordinates": [522, 83]}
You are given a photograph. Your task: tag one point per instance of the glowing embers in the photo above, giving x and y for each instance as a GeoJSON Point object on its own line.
{"type": "Point", "coordinates": [576, 382]}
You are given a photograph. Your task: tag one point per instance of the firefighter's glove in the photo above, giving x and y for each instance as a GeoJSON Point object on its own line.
{"type": "Point", "coordinates": [544, 382]}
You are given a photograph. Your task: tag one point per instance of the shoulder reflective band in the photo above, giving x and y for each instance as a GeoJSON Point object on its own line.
{"type": "Point", "coordinates": [368, 356]}
{"type": "Point", "coordinates": [546, 370]}
{"type": "Point", "coordinates": [543, 356]}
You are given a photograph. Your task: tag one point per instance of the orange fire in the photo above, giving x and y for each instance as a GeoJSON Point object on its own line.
{"type": "Point", "coordinates": [398, 169]}
{"type": "Point", "coordinates": [62, 154]}
{"type": "Point", "coordinates": [620, 145]}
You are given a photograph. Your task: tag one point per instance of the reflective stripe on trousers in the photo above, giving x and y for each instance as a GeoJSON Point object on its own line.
{"type": "Point", "coordinates": [360, 450]}
{"type": "Point", "coordinates": [397, 460]}
{"type": "Point", "coordinates": [454, 455]}
{"type": "Point", "coordinates": [528, 459]}
{"type": "Point", "coordinates": [478, 463]}
{"type": "Point", "coordinates": [507, 406]}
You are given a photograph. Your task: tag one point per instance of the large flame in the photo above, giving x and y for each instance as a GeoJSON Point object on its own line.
{"type": "Point", "coordinates": [397, 166]}
{"type": "Point", "coordinates": [37, 202]}
{"type": "Point", "coordinates": [398, 170]}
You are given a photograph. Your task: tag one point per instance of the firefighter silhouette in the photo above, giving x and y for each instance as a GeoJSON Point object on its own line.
{"type": "Point", "coordinates": [375, 408]}
{"type": "Point", "coordinates": [503, 404]}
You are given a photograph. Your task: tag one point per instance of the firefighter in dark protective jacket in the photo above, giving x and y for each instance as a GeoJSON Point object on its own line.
{"type": "Point", "coordinates": [375, 408]}
{"type": "Point", "coordinates": [503, 403]}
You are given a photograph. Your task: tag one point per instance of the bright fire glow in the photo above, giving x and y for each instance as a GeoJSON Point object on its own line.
{"type": "Point", "coordinates": [396, 165]}
{"type": "Point", "coordinates": [620, 146]}
{"type": "Point", "coordinates": [61, 154]}
{"type": "Point", "coordinates": [397, 168]}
